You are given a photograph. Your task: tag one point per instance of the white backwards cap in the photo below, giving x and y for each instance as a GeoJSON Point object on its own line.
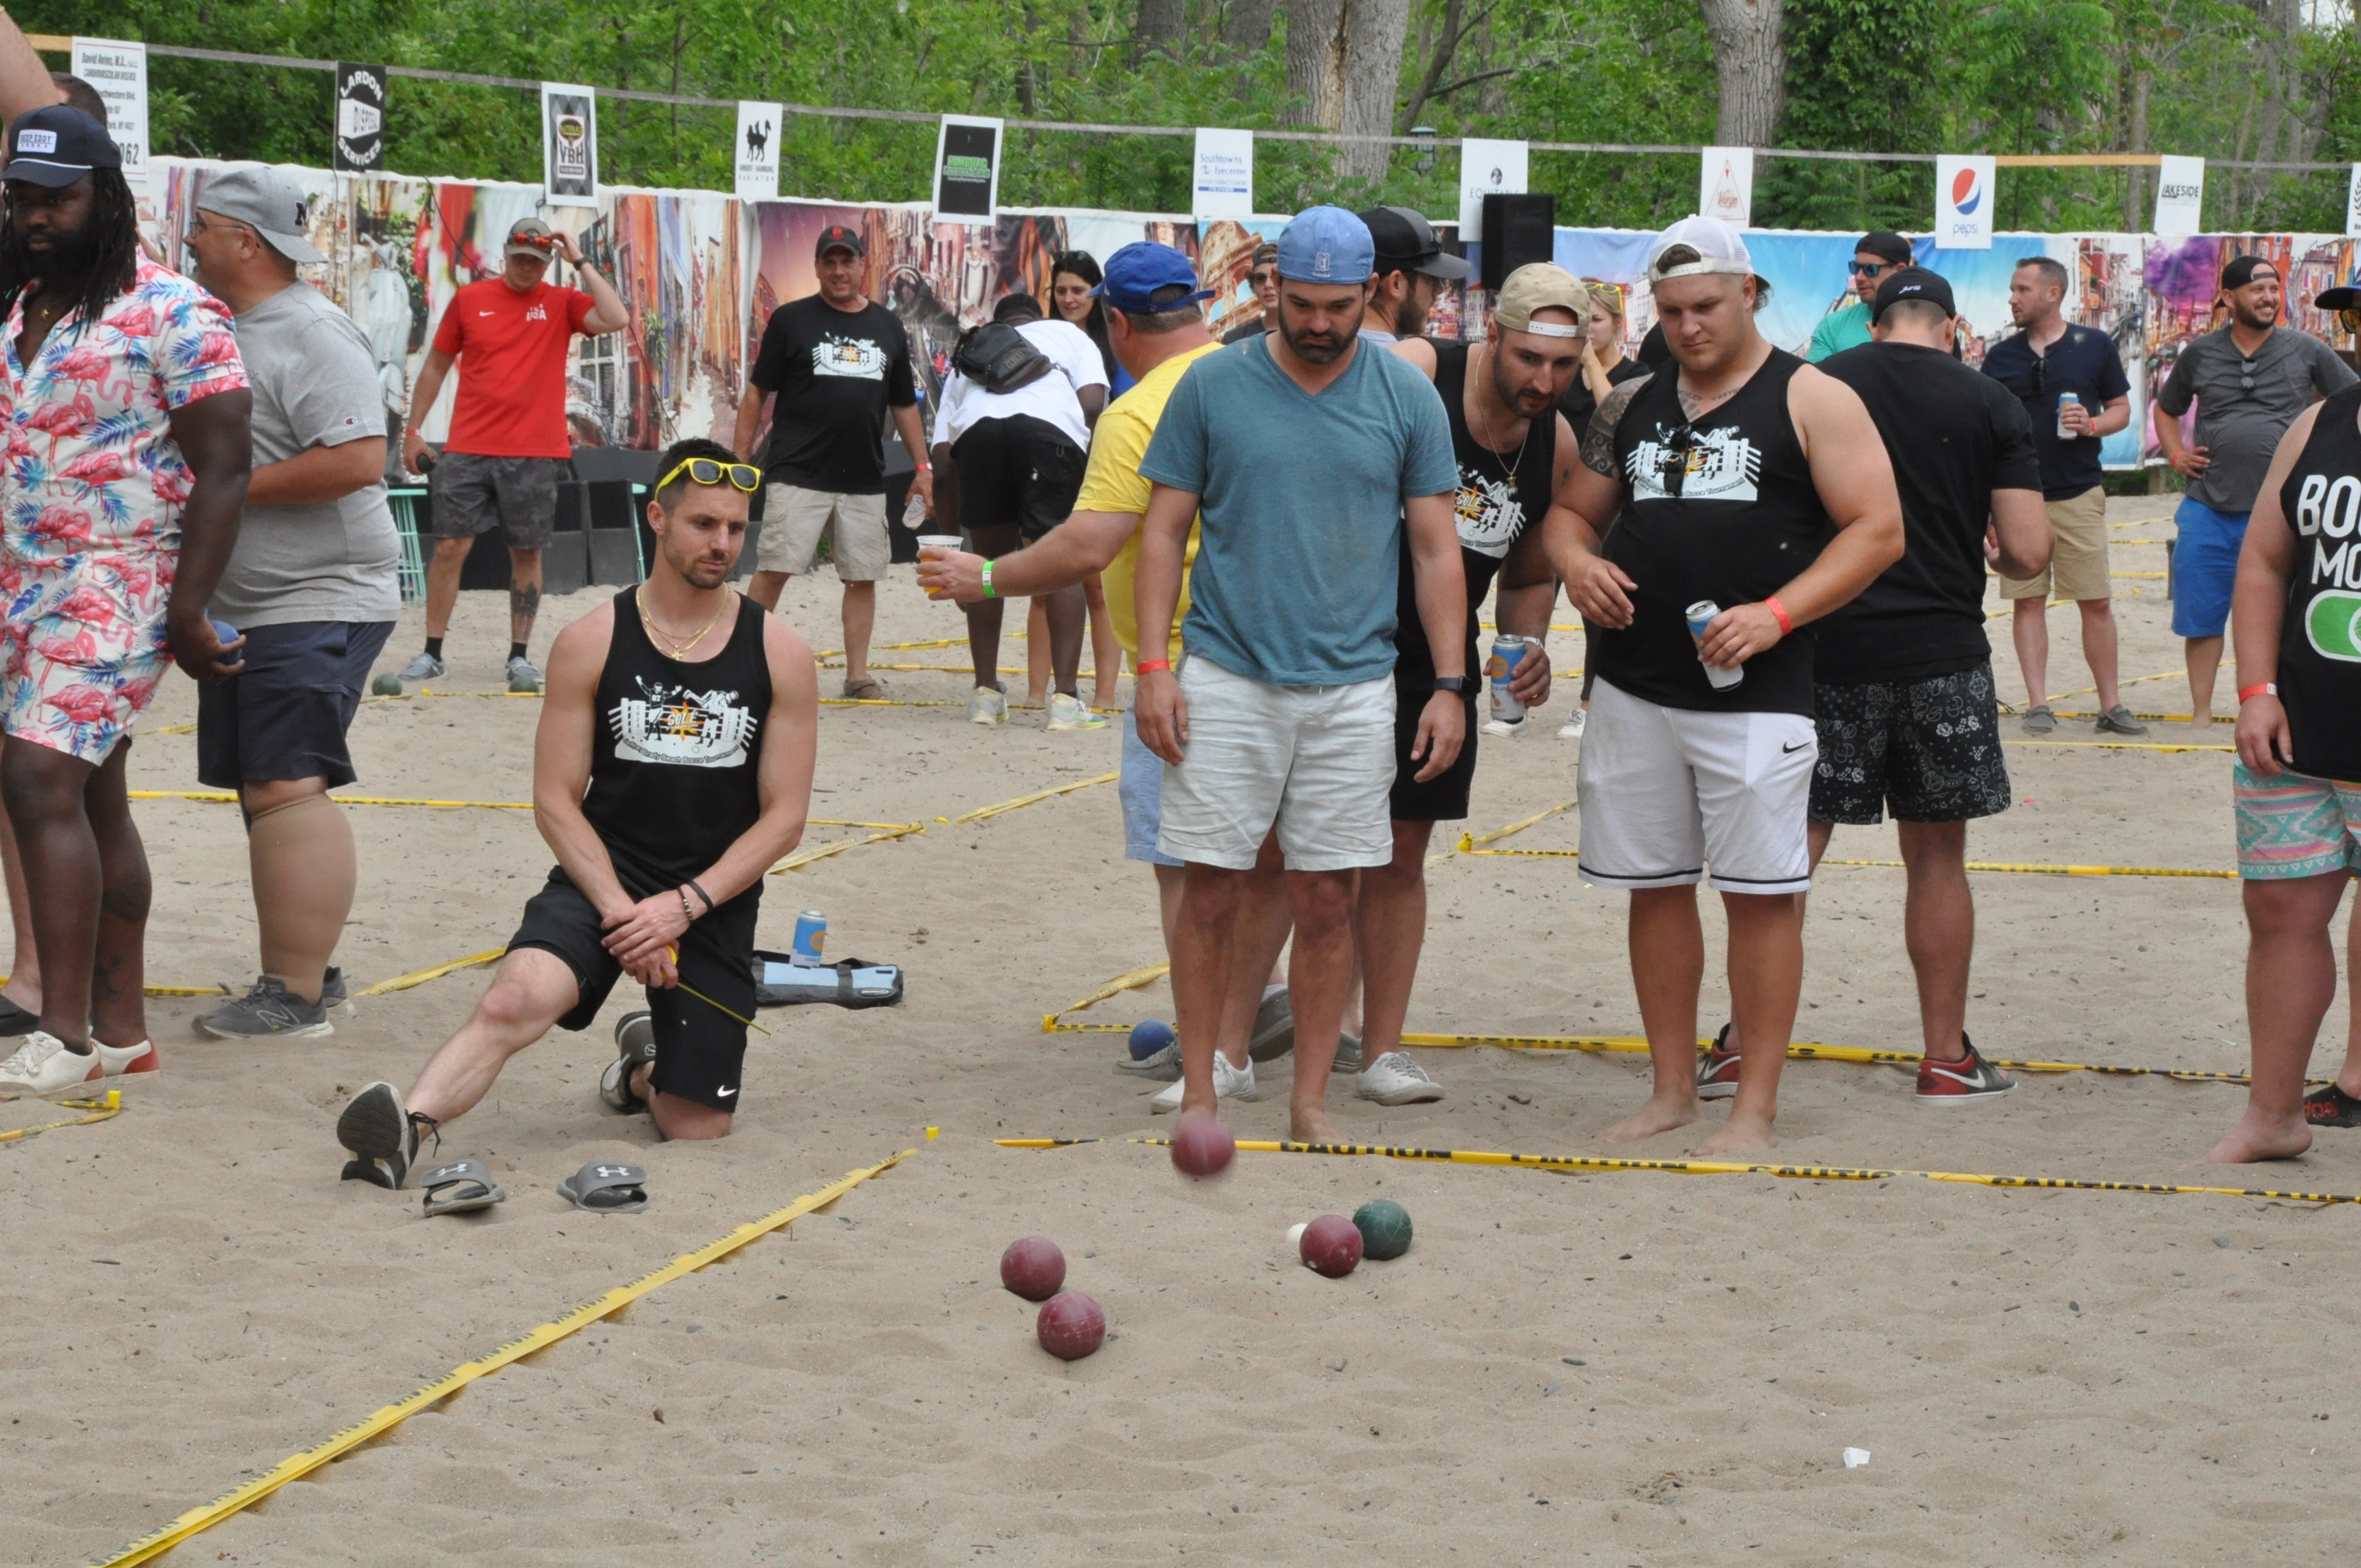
{"type": "Point", "coordinates": [1719, 248]}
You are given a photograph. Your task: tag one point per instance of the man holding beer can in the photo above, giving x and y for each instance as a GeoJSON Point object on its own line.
{"type": "Point", "coordinates": [1724, 477]}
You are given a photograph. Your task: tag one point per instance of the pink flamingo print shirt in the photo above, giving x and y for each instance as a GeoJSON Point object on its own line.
{"type": "Point", "coordinates": [90, 501]}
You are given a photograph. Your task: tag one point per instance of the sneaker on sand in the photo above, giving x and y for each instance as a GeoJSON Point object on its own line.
{"type": "Point", "coordinates": [1164, 1063]}
{"type": "Point", "coordinates": [987, 707]}
{"type": "Point", "coordinates": [1395, 1080]}
{"type": "Point", "coordinates": [119, 1059]}
{"type": "Point", "coordinates": [635, 1042]}
{"type": "Point", "coordinates": [1717, 1068]}
{"type": "Point", "coordinates": [2118, 720]}
{"type": "Point", "coordinates": [269, 1011]}
{"type": "Point", "coordinates": [2039, 719]}
{"type": "Point", "coordinates": [1968, 1082]}
{"type": "Point", "coordinates": [1070, 713]}
{"type": "Point", "coordinates": [334, 994]}
{"type": "Point", "coordinates": [1274, 1027]}
{"type": "Point", "coordinates": [382, 1136]}
{"type": "Point", "coordinates": [1572, 728]}
{"type": "Point", "coordinates": [523, 675]}
{"type": "Point", "coordinates": [1229, 1083]}
{"type": "Point", "coordinates": [424, 667]}
{"type": "Point", "coordinates": [17, 1021]}
{"type": "Point", "coordinates": [1348, 1054]}
{"type": "Point", "coordinates": [2329, 1106]}
{"type": "Point", "coordinates": [1510, 726]}
{"type": "Point", "coordinates": [47, 1064]}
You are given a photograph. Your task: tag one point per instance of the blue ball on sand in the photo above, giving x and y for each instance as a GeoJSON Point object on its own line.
{"type": "Point", "coordinates": [1149, 1037]}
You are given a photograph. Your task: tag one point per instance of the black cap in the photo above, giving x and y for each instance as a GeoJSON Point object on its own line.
{"type": "Point", "coordinates": [1406, 242]}
{"type": "Point", "coordinates": [2242, 270]}
{"type": "Point", "coordinates": [2347, 296]}
{"type": "Point", "coordinates": [1885, 247]}
{"type": "Point", "coordinates": [1913, 283]}
{"type": "Point", "coordinates": [56, 145]}
{"type": "Point", "coordinates": [839, 236]}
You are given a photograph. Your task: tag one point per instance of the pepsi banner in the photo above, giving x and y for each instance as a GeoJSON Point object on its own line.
{"type": "Point", "coordinates": [1963, 202]}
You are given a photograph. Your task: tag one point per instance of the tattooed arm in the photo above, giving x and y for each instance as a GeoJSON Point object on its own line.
{"type": "Point", "coordinates": [1588, 494]}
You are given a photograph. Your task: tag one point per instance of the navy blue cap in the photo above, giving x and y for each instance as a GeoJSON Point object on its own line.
{"type": "Point", "coordinates": [56, 145]}
{"type": "Point", "coordinates": [1134, 273]}
{"type": "Point", "coordinates": [2345, 298]}
{"type": "Point", "coordinates": [1326, 245]}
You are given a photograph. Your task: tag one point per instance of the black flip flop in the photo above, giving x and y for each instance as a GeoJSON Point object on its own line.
{"type": "Point", "coordinates": [460, 1187]}
{"type": "Point", "coordinates": [2329, 1106]}
{"type": "Point", "coordinates": [605, 1189]}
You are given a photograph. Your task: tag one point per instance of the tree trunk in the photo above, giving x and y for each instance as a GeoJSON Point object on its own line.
{"type": "Point", "coordinates": [1245, 25]}
{"type": "Point", "coordinates": [1374, 33]}
{"type": "Point", "coordinates": [1749, 67]}
{"type": "Point", "coordinates": [1160, 28]}
{"type": "Point", "coordinates": [1315, 62]}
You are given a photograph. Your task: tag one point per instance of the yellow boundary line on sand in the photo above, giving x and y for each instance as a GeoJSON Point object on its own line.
{"type": "Point", "coordinates": [101, 1111]}
{"type": "Point", "coordinates": [1711, 1167]}
{"type": "Point", "coordinates": [982, 812]}
{"type": "Point", "coordinates": [295, 1467]}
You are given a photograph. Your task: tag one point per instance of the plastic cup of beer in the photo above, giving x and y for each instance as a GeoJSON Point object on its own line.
{"type": "Point", "coordinates": [940, 541]}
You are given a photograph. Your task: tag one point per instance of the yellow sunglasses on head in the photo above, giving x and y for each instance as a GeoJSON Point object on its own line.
{"type": "Point", "coordinates": [705, 471]}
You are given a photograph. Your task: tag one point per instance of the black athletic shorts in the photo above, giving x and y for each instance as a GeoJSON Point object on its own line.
{"type": "Point", "coordinates": [1930, 749]}
{"type": "Point", "coordinates": [1443, 798]}
{"type": "Point", "coordinates": [285, 714]}
{"type": "Point", "coordinates": [699, 1049]}
{"type": "Point", "coordinates": [1019, 471]}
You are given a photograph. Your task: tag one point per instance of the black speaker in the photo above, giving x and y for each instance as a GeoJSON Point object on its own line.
{"type": "Point", "coordinates": [1517, 232]}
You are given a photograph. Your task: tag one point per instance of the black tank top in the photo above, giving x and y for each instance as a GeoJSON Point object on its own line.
{"type": "Point", "coordinates": [1500, 495]}
{"type": "Point", "coordinates": [1721, 508]}
{"type": "Point", "coordinates": [2320, 635]}
{"type": "Point", "coordinates": [673, 766]}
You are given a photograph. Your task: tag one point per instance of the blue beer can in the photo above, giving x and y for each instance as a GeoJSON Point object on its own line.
{"type": "Point", "coordinates": [811, 939]}
{"type": "Point", "coordinates": [1507, 653]}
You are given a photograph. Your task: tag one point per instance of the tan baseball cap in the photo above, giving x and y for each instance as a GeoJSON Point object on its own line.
{"type": "Point", "coordinates": [1538, 286]}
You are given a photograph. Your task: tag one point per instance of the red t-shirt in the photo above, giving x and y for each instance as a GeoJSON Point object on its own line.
{"type": "Point", "coordinates": [511, 350]}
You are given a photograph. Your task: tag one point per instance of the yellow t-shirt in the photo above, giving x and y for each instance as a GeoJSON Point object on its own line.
{"type": "Point", "coordinates": [1112, 484]}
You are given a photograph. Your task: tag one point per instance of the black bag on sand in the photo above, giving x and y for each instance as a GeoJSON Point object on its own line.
{"type": "Point", "coordinates": [848, 982]}
{"type": "Point", "coordinates": [998, 358]}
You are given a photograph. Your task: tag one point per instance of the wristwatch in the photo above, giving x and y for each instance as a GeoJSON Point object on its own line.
{"type": "Point", "coordinates": [1457, 684]}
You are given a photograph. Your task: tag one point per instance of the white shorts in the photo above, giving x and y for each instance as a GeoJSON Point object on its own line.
{"type": "Point", "coordinates": [1317, 761]}
{"type": "Point", "coordinates": [793, 520]}
{"type": "Point", "coordinates": [1667, 792]}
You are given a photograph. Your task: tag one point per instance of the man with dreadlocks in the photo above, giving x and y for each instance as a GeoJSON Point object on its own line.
{"type": "Point", "coordinates": [125, 407]}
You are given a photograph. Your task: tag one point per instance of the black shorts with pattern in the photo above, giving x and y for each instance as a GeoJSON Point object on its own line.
{"type": "Point", "coordinates": [1927, 749]}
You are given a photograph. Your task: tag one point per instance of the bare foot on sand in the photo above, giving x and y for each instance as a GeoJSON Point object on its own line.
{"type": "Point", "coordinates": [1740, 1135]}
{"type": "Point", "coordinates": [2257, 1138]}
{"type": "Point", "coordinates": [1312, 1125]}
{"type": "Point", "coordinates": [1656, 1116]}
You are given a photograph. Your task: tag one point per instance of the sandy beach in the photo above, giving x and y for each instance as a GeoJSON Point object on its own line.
{"type": "Point", "coordinates": [1618, 1368]}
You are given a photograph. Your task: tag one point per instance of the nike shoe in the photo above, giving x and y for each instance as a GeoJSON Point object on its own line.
{"type": "Point", "coordinates": [1717, 1068]}
{"type": "Point", "coordinates": [1395, 1080]}
{"type": "Point", "coordinates": [45, 1065]}
{"type": "Point", "coordinates": [523, 675]}
{"type": "Point", "coordinates": [269, 1011]}
{"type": "Point", "coordinates": [119, 1059]}
{"type": "Point", "coordinates": [1229, 1083]}
{"type": "Point", "coordinates": [1070, 713]}
{"type": "Point", "coordinates": [1966, 1082]}
{"type": "Point", "coordinates": [987, 707]}
{"type": "Point", "coordinates": [2329, 1106]}
{"type": "Point", "coordinates": [1572, 728]}
{"type": "Point", "coordinates": [424, 667]}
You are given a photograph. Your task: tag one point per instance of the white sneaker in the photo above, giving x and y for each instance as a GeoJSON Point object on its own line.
{"type": "Point", "coordinates": [424, 666]}
{"type": "Point", "coordinates": [987, 707]}
{"type": "Point", "coordinates": [1504, 726]}
{"type": "Point", "coordinates": [43, 1065]}
{"type": "Point", "coordinates": [120, 1059]}
{"type": "Point", "coordinates": [1572, 728]}
{"type": "Point", "coordinates": [1394, 1079]}
{"type": "Point", "coordinates": [1070, 713]}
{"type": "Point", "coordinates": [523, 676]}
{"type": "Point", "coordinates": [1229, 1083]}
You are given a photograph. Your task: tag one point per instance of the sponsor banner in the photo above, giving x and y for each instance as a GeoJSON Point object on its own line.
{"type": "Point", "coordinates": [2353, 205]}
{"type": "Point", "coordinates": [2180, 196]}
{"type": "Point", "coordinates": [119, 72]}
{"type": "Point", "coordinates": [757, 157]}
{"type": "Point", "coordinates": [1488, 168]}
{"type": "Point", "coordinates": [1963, 202]}
{"type": "Point", "coordinates": [1225, 184]}
{"type": "Point", "coordinates": [360, 139]}
{"type": "Point", "coordinates": [966, 170]}
{"type": "Point", "coordinates": [1726, 184]}
{"type": "Point", "coordinates": [569, 145]}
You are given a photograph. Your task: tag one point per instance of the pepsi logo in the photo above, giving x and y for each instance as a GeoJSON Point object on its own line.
{"type": "Point", "coordinates": [1965, 195]}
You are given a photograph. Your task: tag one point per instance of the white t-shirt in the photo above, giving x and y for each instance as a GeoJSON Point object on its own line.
{"type": "Point", "coordinates": [1054, 399]}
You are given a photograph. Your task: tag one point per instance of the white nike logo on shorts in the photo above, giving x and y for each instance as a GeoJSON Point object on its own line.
{"type": "Point", "coordinates": [725, 1093]}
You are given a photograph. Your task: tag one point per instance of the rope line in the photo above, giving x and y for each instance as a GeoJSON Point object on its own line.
{"type": "Point", "coordinates": [100, 1110]}
{"type": "Point", "coordinates": [982, 812]}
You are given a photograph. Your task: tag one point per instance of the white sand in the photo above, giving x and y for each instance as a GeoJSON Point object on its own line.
{"type": "Point", "coordinates": [195, 1296]}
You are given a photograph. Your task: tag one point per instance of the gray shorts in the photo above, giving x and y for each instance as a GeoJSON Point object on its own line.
{"type": "Point", "coordinates": [471, 494]}
{"type": "Point", "coordinates": [794, 519]}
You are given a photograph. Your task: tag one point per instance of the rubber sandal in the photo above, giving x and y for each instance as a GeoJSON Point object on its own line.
{"type": "Point", "coordinates": [635, 1042]}
{"type": "Point", "coordinates": [2039, 719]}
{"type": "Point", "coordinates": [868, 688]}
{"type": "Point", "coordinates": [607, 1189]}
{"type": "Point", "coordinates": [460, 1187]}
{"type": "Point", "coordinates": [2329, 1106]}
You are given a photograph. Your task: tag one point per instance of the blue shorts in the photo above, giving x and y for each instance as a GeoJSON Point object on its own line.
{"type": "Point", "coordinates": [1142, 788]}
{"type": "Point", "coordinates": [284, 715]}
{"type": "Point", "coordinates": [2204, 566]}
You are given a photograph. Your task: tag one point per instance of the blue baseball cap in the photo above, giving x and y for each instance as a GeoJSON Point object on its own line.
{"type": "Point", "coordinates": [1327, 244]}
{"type": "Point", "coordinates": [56, 145]}
{"type": "Point", "coordinates": [1136, 273]}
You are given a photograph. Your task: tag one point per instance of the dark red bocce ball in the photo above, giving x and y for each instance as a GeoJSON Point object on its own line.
{"type": "Point", "coordinates": [1202, 1147]}
{"type": "Point", "coordinates": [1331, 1246]}
{"type": "Point", "coordinates": [1033, 1267]}
{"type": "Point", "coordinates": [1070, 1326]}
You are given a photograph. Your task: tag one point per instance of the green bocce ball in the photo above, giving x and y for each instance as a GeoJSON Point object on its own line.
{"type": "Point", "coordinates": [1384, 1225]}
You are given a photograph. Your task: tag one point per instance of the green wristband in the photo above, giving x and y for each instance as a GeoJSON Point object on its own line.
{"type": "Point", "coordinates": [988, 590]}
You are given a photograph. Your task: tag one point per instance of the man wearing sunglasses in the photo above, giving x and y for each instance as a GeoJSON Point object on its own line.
{"type": "Point", "coordinates": [2248, 380]}
{"type": "Point", "coordinates": [1876, 258]}
{"type": "Point", "coordinates": [509, 336]}
{"type": "Point", "coordinates": [1263, 279]}
{"type": "Point", "coordinates": [671, 770]}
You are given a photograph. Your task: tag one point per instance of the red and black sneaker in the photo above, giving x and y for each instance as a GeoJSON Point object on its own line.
{"type": "Point", "coordinates": [1966, 1082]}
{"type": "Point", "coordinates": [2329, 1106]}
{"type": "Point", "coordinates": [1717, 1068]}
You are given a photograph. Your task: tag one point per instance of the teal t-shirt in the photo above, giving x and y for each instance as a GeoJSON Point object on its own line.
{"type": "Point", "coordinates": [1300, 551]}
{"type": "Point", "coordinates": [1838, 330]}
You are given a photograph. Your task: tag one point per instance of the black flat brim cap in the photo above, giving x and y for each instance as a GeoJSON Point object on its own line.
{"type": "Point", "coordinates": [2344, 298]}
{"type": "Point", "coordinates": [41, 171]}
{"type": "Point", "coordinates": [1444, 264]}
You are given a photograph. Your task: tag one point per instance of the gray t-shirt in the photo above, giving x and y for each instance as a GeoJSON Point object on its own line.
{"type": "Point", "coordinates": [315, 385]}
{"type": "Point", "coordinates": [2240, 425]}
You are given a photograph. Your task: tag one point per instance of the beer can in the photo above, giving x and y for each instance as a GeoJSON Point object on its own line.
{"type": "Point", "coordinates": [811, 939]}
{"type": "Point", "coordinates": [2065, 400]}
{"type": "Point", "coordinates": [1701, 616]}
{"type": "Point", "coordinates": [1507, 653]}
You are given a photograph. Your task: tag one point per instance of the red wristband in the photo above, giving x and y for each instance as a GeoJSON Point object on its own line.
{"type": "Point", "coordinates": [1149, 666]}
{"type": "Point", "coordinates": [1779, 613]}
{"type": "Point", "coordinates": [2268, 688]}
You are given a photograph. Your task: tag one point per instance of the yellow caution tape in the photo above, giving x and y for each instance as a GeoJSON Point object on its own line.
{"type": "Point", "coordinates": [943, 669]}
{"type": "Point", "coordinates": [880, 702]}
{"type": "Point", "coordinates": [1132, 981]}
{"type": "Point", "coordinates": [420, 977]}
{"type": "Point", "coordinates": [822, 852]}
{"type": "Point", "coordinates": [168, 729]}
{"type": "Point", "coordinates": [981, 812]}
{"type": "Point", "coordinates": [100, 1110]}
{"type": "Point", "coordinates": [2033, 870]}
{"type": "Point", "coordinates": [1469, 841]}
{"type": "Point", "coordinates": [1716, 1167]}
{"type": "Point", "coordinates": [2129, 745]}
{"type": "Point", "coordinates": [296, 1466]}
{"type": "Point", "coordinates": [171, 989]}
{"type": "Point", "coordinates": [2138, 573]}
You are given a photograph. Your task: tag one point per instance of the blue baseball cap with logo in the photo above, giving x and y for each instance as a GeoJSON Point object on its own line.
{"type": "Point", "coordinates": [1326, 245]}
{"type": "Point", "coordinates": [56, 145]}
{"type": "Point", "coordinates": [1140, 270]}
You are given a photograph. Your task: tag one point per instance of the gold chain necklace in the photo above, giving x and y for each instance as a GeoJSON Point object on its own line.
{"type": "Point", "coordinates": [1484, 417]}
{"type": "Point", "coordinates": [648, 620]}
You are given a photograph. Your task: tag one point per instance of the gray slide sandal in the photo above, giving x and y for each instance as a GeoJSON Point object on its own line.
{"type": "Point", "coordinates": [607, 1189]}
{"type": "Point", "coordinates": [460, 1187]}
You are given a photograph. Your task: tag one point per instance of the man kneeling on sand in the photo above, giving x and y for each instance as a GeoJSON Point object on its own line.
{"type": "Point", "coordinates": [672, 769]}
